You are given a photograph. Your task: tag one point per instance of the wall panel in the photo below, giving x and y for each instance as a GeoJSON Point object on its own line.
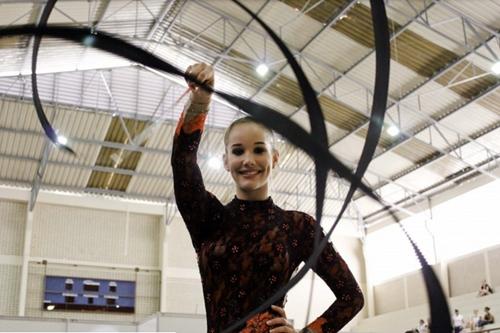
{"type": "Point", "coordinates": [493, 260]}
{"type": "Point", "coordinates": [12, 223]}
{"type": "Point", "coordinates": [389, 296]}
{"type": "Point", "coordinates": [415, 286]}
{"type": "Point", "coordinates": [180, 250]}
{"type": "Point", "coordinates": [81, 234]}
{"type": "Point", "coordinates": [9, 289]}
{"type": "Point", "coordinates": [465, 274]}
{"type": "Point", "coordinates": [184, 296]}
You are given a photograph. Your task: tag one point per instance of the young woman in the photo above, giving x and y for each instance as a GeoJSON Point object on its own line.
{"type": "Point", "coordinates": [249, 248]}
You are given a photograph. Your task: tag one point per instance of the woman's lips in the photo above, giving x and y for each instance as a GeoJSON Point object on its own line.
{"type": "Point", "coordinates": [249, 173]}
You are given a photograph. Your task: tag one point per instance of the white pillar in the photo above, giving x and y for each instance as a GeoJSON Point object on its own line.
{"type": "Point", "coordinates": [370, 299]}
{"type": "Point", "coordinates": [163, 265]}
{"type": "Point", "coordinates": [24, 268]}
{"type": "Point", "coordinates": [445, 282]}
{"type": "Point", "coordinates": [405, 288]}
{"type": "Point", "coordinates": [487, 272]}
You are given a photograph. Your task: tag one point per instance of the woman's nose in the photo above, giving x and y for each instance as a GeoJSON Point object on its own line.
{"type": "Point", "coordinates": [248, 159]}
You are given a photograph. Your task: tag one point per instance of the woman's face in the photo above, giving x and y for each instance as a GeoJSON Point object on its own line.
{"type": "Point", "coordinates": [250, 159]}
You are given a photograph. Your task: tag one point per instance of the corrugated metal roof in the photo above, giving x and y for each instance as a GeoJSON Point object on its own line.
{"type": "Point", "coordinates": [15, 170]}
{"type": "Point", "coordinates": [491, 102]}
{"type": "Point", "coordinates": [20, 144]}
{"type": "Point", "coordinates": [484, 12]}
{"type": "Point", "coordinates": [463, 71]}
{"type": "Point", "coordinates": [420, 179]}
{"type": "Point", "coordinates": [19, 13]}
{"type": "Point", "coordinates": [336, 49]}
{"type": "Point", "coordinates": [416, 150]}
{"type": "Point", "coordinates": [471, 119]}
{"type": "Point", "coordinates": [200, 33]}
{"type": "Point", "coordinates": [390, 164]}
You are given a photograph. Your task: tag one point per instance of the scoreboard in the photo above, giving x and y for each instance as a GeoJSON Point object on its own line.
{"type": "Point", "coordinates": [77, 293]}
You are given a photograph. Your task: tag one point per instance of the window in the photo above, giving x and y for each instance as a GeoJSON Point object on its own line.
{"type": "Point", "coordinates": [89, 285]}
{"type": "Point", "coordinates": [68, 284]}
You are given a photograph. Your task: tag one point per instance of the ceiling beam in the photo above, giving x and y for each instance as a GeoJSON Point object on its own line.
{"type": "Point", "coordinates": [37, 181]}
{"type": "Point", "coordinates": [228, 48]}
{"type": "Point", "coordinates": [437, 189]}
{"type": "Point", "coordinates": [130, 147]}
{"type": "Point", "coordinates": [132, 173]}
{"type": "Point", "coordinates": [333, 19]}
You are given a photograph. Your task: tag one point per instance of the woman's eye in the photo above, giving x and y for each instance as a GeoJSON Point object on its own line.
{"type": "Point", "coordinates": [237, 151]}
{"type": "Point", "coordinates": [259, 150]}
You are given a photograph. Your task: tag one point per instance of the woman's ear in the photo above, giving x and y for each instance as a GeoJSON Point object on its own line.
{"type": "Point", "coordinates": [276, 157]}
{"type": "Point", "coordinates": [226, 164]}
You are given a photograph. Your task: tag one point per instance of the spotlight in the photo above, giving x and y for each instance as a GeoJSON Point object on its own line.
{"type": "Point", "coordinates": [262, 69]}
{"type": "Point", "coordinates": [51, 307]}
{"type": "Point", "coordinates": [393, 130]}
{"type": "Point", "coordinates": [88, 40]}
{"type": "Point", "coordinates": [62, 140]}
{"type": "Point", "coordinates": [214, 163]}
{"type": "Point", "coordinates": [496, 68]}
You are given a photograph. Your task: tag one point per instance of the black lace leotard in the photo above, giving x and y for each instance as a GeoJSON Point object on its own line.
{"type": "Point", "coordinates": [247, 250]}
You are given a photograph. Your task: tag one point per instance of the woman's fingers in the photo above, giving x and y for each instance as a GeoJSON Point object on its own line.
{"type": "Point", "coordinates": [203, 73]}
{"type": "Point", "coordinates": [281, 311]}
{"type": "Point", "coordinates": [278, 321]}
{"type": "Point", "coordinates": [281, 323]}
{"type": "Point", "coordinates": [284, 329]}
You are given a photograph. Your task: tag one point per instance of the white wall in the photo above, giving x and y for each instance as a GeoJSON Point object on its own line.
{"type": "Point", "coordinates": [182, 323]}
{"type": "Point", "coordinates": [459, 277]}
{"type": "Point", "coordinates": [462, 225]}
{"type": "Point", "coordinates": [12, 223]}
{"type": "Point", "coordinates": [30, 324]}
{"type": "Point", "coordinates": [21, 324]}
{"type": "Point", "coordinates": [98, 239]}
{"type": "Point", "coordinates": [403, 320]}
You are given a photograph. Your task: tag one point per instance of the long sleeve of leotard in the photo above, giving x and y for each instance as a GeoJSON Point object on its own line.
{"type": "Point", "coordinates": [197, 206]}
{"type": "Point", "coordinates": [337, 275]}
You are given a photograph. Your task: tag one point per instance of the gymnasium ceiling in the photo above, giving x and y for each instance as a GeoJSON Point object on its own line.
{"type": "Point", "coordinates": [119, 116]}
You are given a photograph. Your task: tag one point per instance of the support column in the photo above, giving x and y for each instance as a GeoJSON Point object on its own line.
{"type": "Point", "coordinates": [163, 265]}
{"type": "Point", "coordinates": [168, 217]}
{"type": "Point", "coordinates": [369, 295]}
{"type": "Point", "coordinates": [24, 268]}
{"type": "Point", "coordinates": [445, 282]}
{"type": "Point", "coordinates": [487, 267]}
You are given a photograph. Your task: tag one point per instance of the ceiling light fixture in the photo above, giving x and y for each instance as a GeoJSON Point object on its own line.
{"type": "Point", "coordinates": [214, 163]}
{"type": "Point", "coordinates": [496, 68]}
{"type": "Point", "coordinates": [393, 130]}
{"type": "Point", "coordinates": [262, 69]}
{"type": "Point", "coordinates": [51, 307]}
{"type": "Point", "coordinates": [62, 140]}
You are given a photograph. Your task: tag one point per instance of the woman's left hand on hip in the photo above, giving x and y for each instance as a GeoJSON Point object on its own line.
{"type": "Point", "coordinates": [280, 324]}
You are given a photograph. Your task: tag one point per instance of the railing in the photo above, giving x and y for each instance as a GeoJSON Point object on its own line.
{"type": "Point", "coordinates": [487, 329]}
